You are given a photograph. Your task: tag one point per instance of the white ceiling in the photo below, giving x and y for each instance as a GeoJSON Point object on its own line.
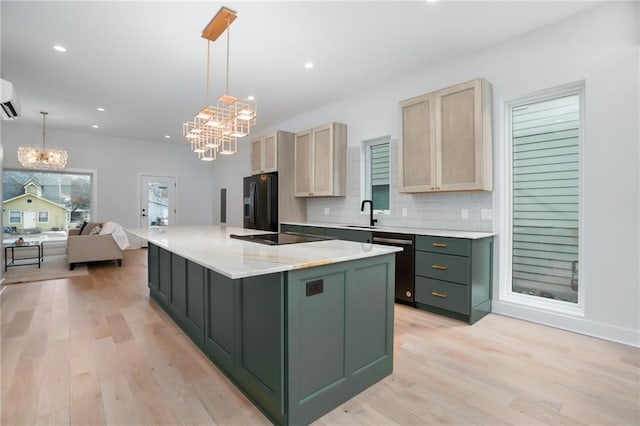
{"type": "Point", "coordinates": [145, 62]}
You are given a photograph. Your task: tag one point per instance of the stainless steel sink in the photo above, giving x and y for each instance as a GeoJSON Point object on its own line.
{"type": "Point", "coordinates": [360, 226]}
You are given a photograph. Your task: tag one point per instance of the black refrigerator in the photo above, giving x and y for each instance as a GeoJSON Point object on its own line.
{"type": "Point", "coordinates": [261, 202]}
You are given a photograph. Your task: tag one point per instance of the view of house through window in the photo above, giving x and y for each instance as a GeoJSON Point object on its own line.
{"type": "Point", "coordinates": [43, 204]}
{"type": "Point", "coordinates": [376, 166]}
{"type": "Point", "coordinates": [545, 138]}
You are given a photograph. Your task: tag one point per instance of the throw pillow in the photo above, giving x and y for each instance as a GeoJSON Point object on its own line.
{"type": "Point", "coordinates": [84, 225]}
{"type": "Point", "coordinates": [96, 230]}
{"type": "Point", "coordinates": [87, 229]}
{"type": "Point", "coordinates": [109, 228]}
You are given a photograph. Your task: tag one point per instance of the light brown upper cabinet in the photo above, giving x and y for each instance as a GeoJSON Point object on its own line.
{"type": "Point", "coordinates": [320, 166]}
{"type": "Point", "coordinates": [264, 154]}
{"type": "Point", "coordinates": [274, 153]}
{"type": "Point", "coordinates": [446, 142]}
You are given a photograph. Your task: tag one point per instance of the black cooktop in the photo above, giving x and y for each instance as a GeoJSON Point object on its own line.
{"type": "Point", "coordinates": [280, 239]}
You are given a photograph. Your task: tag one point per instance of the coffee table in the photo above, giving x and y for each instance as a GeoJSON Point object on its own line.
{"type": "Point", "coordinates": [13, 247]}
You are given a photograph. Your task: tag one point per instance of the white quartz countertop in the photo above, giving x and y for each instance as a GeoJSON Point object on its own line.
{"type": "Point", "coordinates": [211, 246]}
{"type": "Point", "coordinates": [451, 233]}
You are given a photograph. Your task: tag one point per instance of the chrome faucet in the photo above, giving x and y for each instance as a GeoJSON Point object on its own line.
{"type": "Point", "coordinates": [372, 221]}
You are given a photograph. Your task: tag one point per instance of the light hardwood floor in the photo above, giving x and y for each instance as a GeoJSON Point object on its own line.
{"type": "Point", "coordinates": [95, 350]}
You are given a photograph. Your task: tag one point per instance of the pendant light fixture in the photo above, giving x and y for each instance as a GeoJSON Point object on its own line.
{"type": "Point", "coordinates": [42, 157]}
{"type": "Point", "coordinates": [216, 129]}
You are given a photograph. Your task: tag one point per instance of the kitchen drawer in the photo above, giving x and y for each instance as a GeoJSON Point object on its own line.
{"type": "Point", "coordinates": [350, 235]}
{"type": "Point", "coordinates": [314, 230]}
{"type": "Point", "coordinates": [457, 246]}
{"type": "Point", "coordinates": [291, 228]}
{"type": "Point", "coordinates": [443, 267]}
{"type": "Point", "coordinates": [442, 294]}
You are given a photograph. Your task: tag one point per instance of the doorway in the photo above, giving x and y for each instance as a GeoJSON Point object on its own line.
{"type": "Point", "coordinates": [157, 201]}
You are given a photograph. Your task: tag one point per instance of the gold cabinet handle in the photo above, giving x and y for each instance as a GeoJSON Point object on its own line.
{"type": "Point", "coordinates": [440, 245]}
{"type": "Point", "coordinates": [439, 267]}
{"type": "Point", "coordinates": [438, 294]}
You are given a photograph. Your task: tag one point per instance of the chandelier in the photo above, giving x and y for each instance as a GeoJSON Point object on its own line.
{"type": "Point", "coordinates": [41, 157]}
{"type": "Point", "coordinates": [215, 129]}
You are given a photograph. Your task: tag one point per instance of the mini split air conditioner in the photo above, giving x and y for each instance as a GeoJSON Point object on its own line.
{"type": "Point", "coordinates": [9, 101]}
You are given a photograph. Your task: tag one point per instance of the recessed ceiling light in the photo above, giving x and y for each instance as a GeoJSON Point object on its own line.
{"type": "Point", "coordinates": [167, 136]}
{"type": "Point", "coordinates": [59, 48]}
{"type": "Point", "coordinates": [100, 109]}
{"type": "Point", "coordinates": [431, 1]}
{"type": "Point", "coordinates": [95, 126]}
{"type": "Point", "coordinates": [308, 65]}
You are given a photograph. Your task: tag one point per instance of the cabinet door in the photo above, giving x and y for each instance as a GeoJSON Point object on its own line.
{"type": "Point", "coordinates": [459, 136]}
{"type": "Point", "coordinates": [220, 327]}
{"type": "Point", "coordinates": [153, 262]}
{"type": "Point", "coordinates": [164, 279]}
{"type": "Point", "coordinates": [195, 301]}
{"type": "Point", "coordinates": [302, 164]}
{"type": "Point", "coordinates": [270, 154]}
{"type": "Point", "coordinates": [322, 161]}
{"type": "Point", "coordinates": [417, 149]}
{"type": "Point", "coordinates": [257, 154]}
{"type": "Point", "coordinates": [178, 285]}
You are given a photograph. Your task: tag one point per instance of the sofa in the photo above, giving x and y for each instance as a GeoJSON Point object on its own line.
{"type": "Point", "coordinates": [87, 245]}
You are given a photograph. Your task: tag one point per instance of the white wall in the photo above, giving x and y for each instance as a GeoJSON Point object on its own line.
{"type": "Point", "coordinates": [228, 172]}
{"type": "Point", "coordinates": [599, 47]}
{"type": "Point", "coordinates": [118, 164]}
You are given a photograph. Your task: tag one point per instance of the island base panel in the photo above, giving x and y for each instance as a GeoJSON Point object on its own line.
{"type": "Point", "coordinates": [340, 338]}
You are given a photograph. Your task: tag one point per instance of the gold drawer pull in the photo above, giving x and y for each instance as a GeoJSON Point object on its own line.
{"type": "Point", "coordinates": [440, 245]}
{"type": "Point", "coordinates": [438, 294]}
{"type": "Point", "coordinates": [439, 267]}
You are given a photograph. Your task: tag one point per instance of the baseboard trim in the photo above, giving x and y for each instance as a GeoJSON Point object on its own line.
{"type": "Point", "coordinates": [584, 326]}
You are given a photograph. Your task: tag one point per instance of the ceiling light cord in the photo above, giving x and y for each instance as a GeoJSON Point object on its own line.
{"type": "Point", "coordinates": [227, 82]}
{"type": "Point", "coordinates": [208, 77]}
{"type": "Point", "coordinates": [44, 116]}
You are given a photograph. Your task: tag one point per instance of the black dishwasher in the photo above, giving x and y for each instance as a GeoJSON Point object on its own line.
{"type": "Point", "coordinates": [404, 263]}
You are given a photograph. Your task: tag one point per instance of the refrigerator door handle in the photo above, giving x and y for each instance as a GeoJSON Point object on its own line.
{"type": "Point", "coordinates": [269, 183]}
{"type": "Point", "coordinates": [252, 203]}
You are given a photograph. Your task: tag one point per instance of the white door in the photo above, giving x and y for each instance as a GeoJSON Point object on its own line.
{"type": "Point", "coordinates": [29, 219]}
{"type": "Point", "coordinates": [157, 200]}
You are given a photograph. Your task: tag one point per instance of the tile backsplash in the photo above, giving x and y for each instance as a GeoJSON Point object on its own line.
{"type": "Point", "coordinates": [430, 211]}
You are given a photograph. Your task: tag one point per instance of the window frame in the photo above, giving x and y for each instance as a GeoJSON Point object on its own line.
{"type": "Point", "coordinates": [505, 291]}
{"type": "Point", "coordinates": [20, 217]}
{"type": "Point", "coordinates": [365, 179]}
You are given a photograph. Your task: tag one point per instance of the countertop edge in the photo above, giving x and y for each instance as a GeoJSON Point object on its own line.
{"type": "Point", "coordinates": [449, 233]}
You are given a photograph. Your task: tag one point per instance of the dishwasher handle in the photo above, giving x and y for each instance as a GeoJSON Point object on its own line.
{"type": "Point", "coordinates": [392, 241]}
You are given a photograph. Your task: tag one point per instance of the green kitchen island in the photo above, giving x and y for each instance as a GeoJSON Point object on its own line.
{"type": "Point", "coordinates": [299, 328]}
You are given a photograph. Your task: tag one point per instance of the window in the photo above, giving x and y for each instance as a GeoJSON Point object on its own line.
{"type": "Point", "coordinates": [15, 217]}
{"type": "Point", "coordinates": [376, 172]}
{"type": "Point", "coordinates": [71, 191]}
{"type": "Point", "coordinates": [545, 135]}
